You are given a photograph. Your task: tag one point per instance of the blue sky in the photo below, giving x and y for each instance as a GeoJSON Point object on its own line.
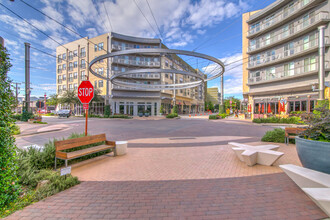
{"type": "Point", "coordinates": [212, 27]}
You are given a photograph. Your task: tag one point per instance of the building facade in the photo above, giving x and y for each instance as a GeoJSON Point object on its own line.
{"type": "Point", "coordinates": [213, 95]}
{"type": "Point", "coordinates": [72, 68]}
{"type": "Point", "coordinates": [284, 45]}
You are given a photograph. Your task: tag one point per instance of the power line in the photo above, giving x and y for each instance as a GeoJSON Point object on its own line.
{"type": "Point", "coordinates": [106, 11]}
{"type": "Point", "coordinates": [155, 20]}
{"type": "Point", "coordinates": [95, 5]}
{"type": "Point", "coordinates": [145, 17]}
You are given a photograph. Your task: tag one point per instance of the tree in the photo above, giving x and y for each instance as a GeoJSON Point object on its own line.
{"type": "Point", "coordinates": [210, 106]}
{"type": "Point", "coordinates": [97, 96]}
{"type": "Point", "coordinates": [235, 102]}
{"type": "Point", "coordinates": [69, 97]}
{"type": "Point", "coordinates": [53, 100]}
{"type": "Point", "coordinates": [8, 167]}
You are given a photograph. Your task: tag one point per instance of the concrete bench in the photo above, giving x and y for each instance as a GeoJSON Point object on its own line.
{"type": "Point", "coordinates": [306, 178]}
{"type": "Point", "coordinates": [262, 154]}
{"type": "Point", "coordinates": [315, 184]}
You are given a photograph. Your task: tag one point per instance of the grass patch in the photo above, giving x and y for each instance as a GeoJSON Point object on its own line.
{"type": "Point", "coordinates": [39, 122]}
{"type": "Point", "coordinates": [50, 114]}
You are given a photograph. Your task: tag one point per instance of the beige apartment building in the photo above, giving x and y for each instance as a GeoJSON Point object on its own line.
{"type": "Point", "coordinates": [286, 45]}
{"type": "Point", "coordinates": [72, 67]}
{"type": "Point", "coordinates": [213, 95]}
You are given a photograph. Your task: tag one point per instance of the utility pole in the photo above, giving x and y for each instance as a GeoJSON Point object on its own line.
{"type": "Point", "coordinates": [222, 96]}
{"type": "Point", "coordinates": [17, 88]}
{"type": "Point", "coordinates": [27, 77]}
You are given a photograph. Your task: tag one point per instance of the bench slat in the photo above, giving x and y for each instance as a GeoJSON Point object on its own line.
{"type": "Point", "coordinates": [90, 150]}
{"type": "Point", "coordinates": [77, 142]}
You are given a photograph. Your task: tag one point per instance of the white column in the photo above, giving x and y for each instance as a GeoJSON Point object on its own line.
{"type": "Point", "coordinates": [125, 109]}
{"type": "Point", "coordinates": [117, 108]}
{"type": "Point", "coordinates": [152, 108]}
{"type": "Point", "coordinates": [321, 62]}
{"type": "Point", "coordinates": [135, 109]}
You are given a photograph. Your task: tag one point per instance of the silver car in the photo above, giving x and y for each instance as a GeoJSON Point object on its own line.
{"type": "Point", "coordinates": [64, 113]}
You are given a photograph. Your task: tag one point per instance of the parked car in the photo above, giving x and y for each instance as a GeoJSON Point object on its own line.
{"type": "Point", "coordinates": [64, 113]}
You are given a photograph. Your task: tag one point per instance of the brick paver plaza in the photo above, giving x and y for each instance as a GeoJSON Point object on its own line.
{"type": "Point", "coordinates": [179, 178]}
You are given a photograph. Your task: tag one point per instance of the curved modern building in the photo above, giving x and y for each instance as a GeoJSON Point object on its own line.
{"type": "Point", "coordinates": [72, 67]}
{"type": "Point", "coordinates": [287, 46]}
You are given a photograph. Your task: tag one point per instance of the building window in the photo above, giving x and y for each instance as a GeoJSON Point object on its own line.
{"type": "Point", "coordinates": [59, 59]}
{"type": "Point", "coordinates": [270, 73]}
{"type": "Point", "coordinates": [75, 75]}
{"type": "Point", "coordinates": [75, 64]}
{"type": "Point", "coordinates": [83, 64]}
{"type": "Point", "coordinates": [82, 75]}
{"type": "Point", "coordinates": [289, 49]}
{"type": "Point", "coordinates": [64, 77]}
{"type": "Point", "coordinates": [285, 31]}
{"type": "Point", "coordinates": [310, 64]}
{"type": "Point", "coordinates": [82, 52]}
{"type": "Point", "coordinates": [70, 66]}
{"type": "Point", "coordinates": [64, 87]}
{"type": "Point", "coordinates": [64, 67]}
{"type": "Point", "coordinates": [70, 87]}
{"type": "Point", "coordinates": [101, 46]}
{"type": "Point", "coordinates": [101, 71]}
{"type": "Point", "coordinates": [95, 84]}
{"type": "Point", "coordinates": [75, 53]}
{"type": "Point", "coordinates": [100, 83]}
{"type": "Point", "coordinates": [70, 55]}
{"type": "Point", "coordinates": [70, 77]}
{"type": "Point", "coordinates": [289, 69]}
{"type": "Point", "coordinates": [64, 56]}
{"type": "Point", "coordinates": [75, 86]}
{"type": "Point", "coordinates": [95, 47]}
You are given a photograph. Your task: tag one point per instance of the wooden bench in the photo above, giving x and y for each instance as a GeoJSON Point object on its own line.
{"type": "Point", "coordinates": [82, 141]}
{"type": "Point", "coordinates": [314, 183]}
{"type": "Point", "coordinates": [292, 133]}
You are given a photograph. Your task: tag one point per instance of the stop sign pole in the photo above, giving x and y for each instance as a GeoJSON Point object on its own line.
{"type": "Point", "coordinates": [85, 95]}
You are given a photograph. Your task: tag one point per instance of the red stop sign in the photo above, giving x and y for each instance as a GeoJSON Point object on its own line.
{"type": "Point", "coordinates": [85, 92]}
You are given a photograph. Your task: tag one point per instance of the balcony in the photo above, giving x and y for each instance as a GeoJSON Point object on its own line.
{"type": "Point", "coordinates": [82, 66]}
{"type": "Point", "coordinates": [293, 73]}
{"type": "Point", "coordinates": [281, 17]}
{"type": "Point", "coordinates": [138, 75]}
{"type": "Point", "coordinates": [59, 81]}
{"type": "Point", "coordinates": [300, 50]}
{"type": "Point", "coordinates": [301, 28]}
{"type": "Point", "coordinates": [70, 79]}
{"type": "Point", "coordinates": [135, 62]}
{"type": "Point", "coordinates": [82, 54]}
{"type": "Point", "coordinates": [59, 70]}
{"type": "Point", "coordinates": [71, 57]}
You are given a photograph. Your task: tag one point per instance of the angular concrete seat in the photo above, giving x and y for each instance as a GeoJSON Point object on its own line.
{"type": "Point", "coordinates": [306, 178]}
{"type": "Point", "coordinates": [262, 154]}
{"type": "Point", "coordinates": [314, 183]}
{"type": "Point", "coordinates": [321, 197]}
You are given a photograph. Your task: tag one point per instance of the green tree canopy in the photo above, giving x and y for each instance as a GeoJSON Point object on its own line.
{"type": "Point", "coordinates": [53, 100]}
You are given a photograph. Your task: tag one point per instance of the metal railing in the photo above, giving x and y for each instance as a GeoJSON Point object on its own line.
{"type": "Point", "coordinates": [279, 17]}
{"type": "Point", "coordinates": [287, 53]}
{"type": "Point", "coordinates": [287, 73]}
{"type": "Point", "coordinates": [291, 31]}
{"type": "Point", "coordinates": [135, 62]}
{"type": "Point", "coordinates": [139, 75]}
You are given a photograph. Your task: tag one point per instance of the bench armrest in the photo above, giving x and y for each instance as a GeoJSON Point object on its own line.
{"type": "Point", "coordinates": [110, 143]}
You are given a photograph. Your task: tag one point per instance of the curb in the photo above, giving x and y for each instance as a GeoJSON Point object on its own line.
{"type": "Point", "coordinates": [41, 132]}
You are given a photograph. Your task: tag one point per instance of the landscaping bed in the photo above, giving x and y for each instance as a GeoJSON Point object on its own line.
{"type": "Point", "coordinates": [277, 120]}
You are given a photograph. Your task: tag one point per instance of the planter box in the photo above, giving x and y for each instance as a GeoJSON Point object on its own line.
{"type": "Point", "coordinates": [314, 155]}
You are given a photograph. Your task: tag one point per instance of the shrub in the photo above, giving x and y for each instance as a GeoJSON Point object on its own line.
{"type": "Point", "coordinates": [223, 115]}
{"type": "Point", "coordinates": [213, 117]}
{"type": "Point", "coordinates": [172, 115]}
{"type": "Point", "coordinates": [26, 116]}
{"type": "Point", "coordinates": [291, 120]}
{"type": "Point", "coordinates": [174, 110]}
{"type": "Point", "coordinates": [318, 125]}
{"type": "Point", "coordinates": [107, 111]}
{"type": "Point", "coordinates": [277, 135]}
{"type": "Point", "coordinates": [17, 117]}
{"type": "Point", "coordinates": [9, 188]}
{"type": "Point", "coordinates": [15, 129]}
{"type": "Point", "coordinates": [120, 116]}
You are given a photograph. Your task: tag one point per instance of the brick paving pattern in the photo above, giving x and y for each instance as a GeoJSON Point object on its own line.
{"type": "Point", "coordinates": [272, 196]}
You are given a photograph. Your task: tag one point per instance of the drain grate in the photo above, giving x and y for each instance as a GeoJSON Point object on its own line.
{"type": "Point", "coordinates": [181, 138]}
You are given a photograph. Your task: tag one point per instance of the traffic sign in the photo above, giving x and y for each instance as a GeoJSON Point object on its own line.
{"type": "Point", "coordinates": [85, 92]}
{"type": "Point", "coordinates": [85, 106]}
{"type": "Point", "coordinates": [40, 104]}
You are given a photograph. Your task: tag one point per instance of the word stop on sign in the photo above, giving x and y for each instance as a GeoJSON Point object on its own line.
{"type": "Point", "coordinates": [85, 91]}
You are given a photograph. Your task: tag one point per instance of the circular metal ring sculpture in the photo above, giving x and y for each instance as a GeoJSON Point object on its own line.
{"type": "Point", "coordinates": [114, 78]}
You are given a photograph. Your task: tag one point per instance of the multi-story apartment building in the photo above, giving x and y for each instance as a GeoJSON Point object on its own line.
{"type": "Point", "coordinates": [213, 95]}
{"type": "Point", "coordinates": [72, 68]}
{"type": "Point", "coordinates": [283, 44]}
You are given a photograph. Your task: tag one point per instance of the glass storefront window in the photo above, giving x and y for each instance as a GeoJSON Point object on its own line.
{"type": "Point", "coordinates": [303, 105]}
{"type": "Point", "coordinates": [291, 104]}
{"type": "Point", "coordinates": [297, 105]}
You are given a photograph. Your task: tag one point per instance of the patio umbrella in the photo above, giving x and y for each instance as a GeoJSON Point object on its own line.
{"type": "Point", "coordinates": [269, 109]}
{"type": "Point", "coordinates": [259, 108]}
{"type": "Point", "coordinates": [262, 108]}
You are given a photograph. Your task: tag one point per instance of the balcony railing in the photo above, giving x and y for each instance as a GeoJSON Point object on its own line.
{"type": "Point", "coordinates": [59, 81]}
{"type": "Point", "coordinates": [82, 54]}
{"type": "Point", "coordinates": [291, 31]}
{"type": "Point", "coordinates": [284, 74]}
{"type": "Point", "coordinates": [139, 75]}
{"type": "Point", "coordinates": [136, 63]}
{"type": "Point", "coordinates": [291, 52]}
{"type": "Point", "coordinates": [120, 47]}
{"type": "Point", "coordinates": [59, 70]}
{"type": "Point", "coordinates": [82, 66]}
{"type": "Point", "coordinates": [279, 17]}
